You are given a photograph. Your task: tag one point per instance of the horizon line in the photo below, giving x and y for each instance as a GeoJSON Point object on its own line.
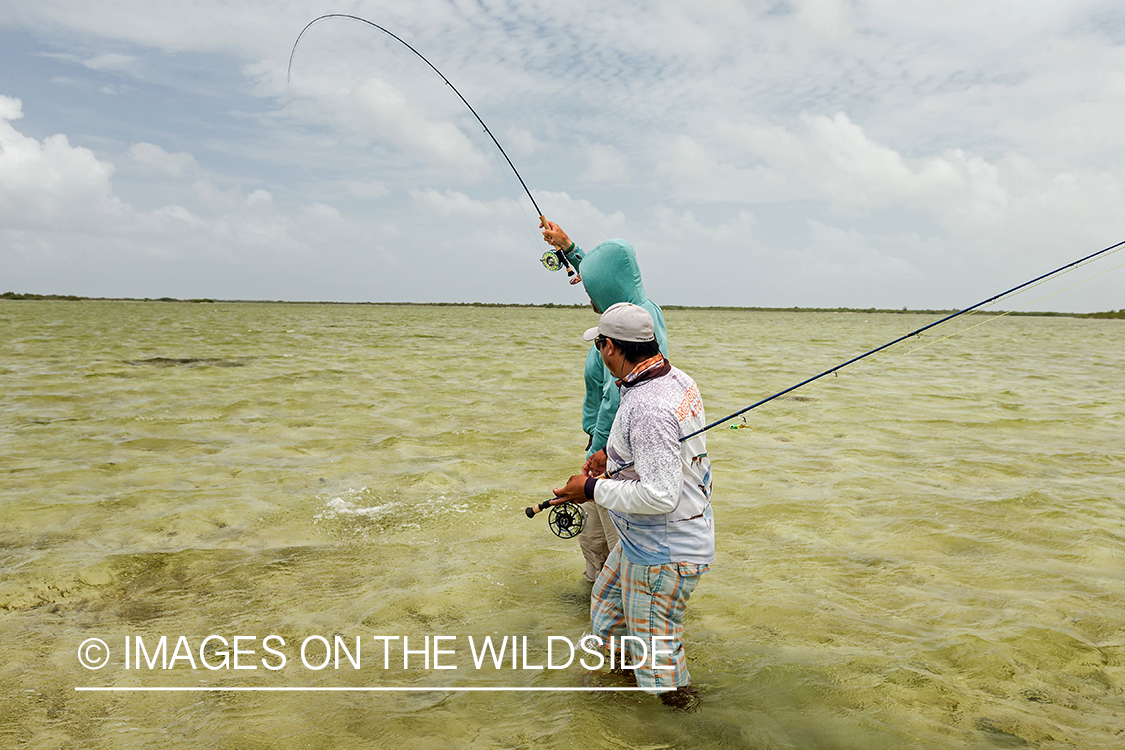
{"type": "Point", "coordinates": [26, 297]}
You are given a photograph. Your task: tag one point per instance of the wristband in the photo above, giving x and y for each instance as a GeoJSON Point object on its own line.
{"type": "Point", "coordinates": [589, 488]}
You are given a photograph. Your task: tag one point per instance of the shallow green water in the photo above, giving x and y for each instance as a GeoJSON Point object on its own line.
{"type": "Point", "coordinates": [925, 552]}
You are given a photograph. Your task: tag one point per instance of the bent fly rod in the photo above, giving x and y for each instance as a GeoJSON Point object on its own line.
{"type": "Point", "coordinates": [552, 260]}
{"type": "Point", "coordinates": [567, 522]}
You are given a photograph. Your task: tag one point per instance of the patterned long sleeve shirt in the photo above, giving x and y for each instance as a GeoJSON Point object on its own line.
{"type": "Point", "coordinates": [661, 505]}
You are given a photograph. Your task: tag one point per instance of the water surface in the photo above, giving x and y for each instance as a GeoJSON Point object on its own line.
{"type": "Point", "coordinates": [927, 551]}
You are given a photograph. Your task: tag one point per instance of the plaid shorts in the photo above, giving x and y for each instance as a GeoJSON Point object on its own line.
{"type": "Point", "coordinates": [646, 601]}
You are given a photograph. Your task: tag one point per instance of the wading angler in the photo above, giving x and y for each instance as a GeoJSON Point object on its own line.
{"type": "Point", "coordinates": [656, 485]}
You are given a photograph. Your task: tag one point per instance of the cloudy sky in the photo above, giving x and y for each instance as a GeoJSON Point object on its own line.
{"type": "Point", "coordinates": [801, 153]}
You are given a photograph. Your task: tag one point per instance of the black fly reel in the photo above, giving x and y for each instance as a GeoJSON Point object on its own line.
{"type": "Point", "coordinates": [566, 520]}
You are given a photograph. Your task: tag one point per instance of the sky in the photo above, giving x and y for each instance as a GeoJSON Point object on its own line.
{"type": "Point", "coordinates": [812, 153]}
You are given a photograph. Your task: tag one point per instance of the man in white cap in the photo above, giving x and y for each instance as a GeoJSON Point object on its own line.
{"type": "Point", "coordinates": [657, 489]}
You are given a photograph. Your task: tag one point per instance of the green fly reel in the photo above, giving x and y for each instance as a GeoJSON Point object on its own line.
{"type": "Point", "coordinates": [550, 260]}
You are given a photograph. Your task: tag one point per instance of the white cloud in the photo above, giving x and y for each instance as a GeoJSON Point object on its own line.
{"type": "Point", "coordinates": [376, 112]}
{"type": "Point", "coordinates": [676, 228]}
{"type": "Point", "coordinates": [114, 63]}
{"type": "Point", "coordinates": [48, 184]}
{"type": "Point", "coordinates": [116, 89]}
{"type": "Point", "coordinates": [262, 197]}
{"type": "Point", "coordinates": [374, 189]}
{"type": "Point", "coordinates": [825, 16]}
{"type": "Point", "coordinates": [57, 205]}
{"type": "Point", "coordinates": [831, 159]}
{"type": "Point", "coordinates": [834, 253]}
{"type": "Point", "coordinates": [155, 158]}
{"type": "Point", "coordinates": [520, 141]}
{"type": "Point", "coordinates": [457, 205]}
{"type": "Point", "coordinates": [391, 114]}
{"type": "Point", "coordinates": [10, 109]}
{"type": "Point", "coordinates": [823, 158]}
{"type": "Point", "coordinates": [107, 62]}
{"type": "Point", "coordinates": [583, 221]}
{"type": "Point", "coordinates": [604, 163]}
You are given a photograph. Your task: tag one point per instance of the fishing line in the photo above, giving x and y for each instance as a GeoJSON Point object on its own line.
{"type": "Point", "coordinates": [1017, 309]}
{"type": "Point", "coordinates": [557, 255]}
{"type": "Point", "coordinates": [853, 360]}
{"type": "Point", "coordinates": [557, 503]}
{"type": "Point", "coordinates": [517, 196]}
{"type": "Point", "coordinates": [1031, 285]}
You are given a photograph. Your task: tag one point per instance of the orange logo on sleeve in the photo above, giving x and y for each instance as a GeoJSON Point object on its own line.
{"type": "Point", "coordinates": [691, 406]}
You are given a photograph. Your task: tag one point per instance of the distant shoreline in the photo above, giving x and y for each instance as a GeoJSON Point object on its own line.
{"type": "Point", "coordinates": [16, 297]}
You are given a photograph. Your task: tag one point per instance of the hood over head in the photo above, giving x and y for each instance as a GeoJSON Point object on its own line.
{"type": "Point", "coordinates": [611, 275]}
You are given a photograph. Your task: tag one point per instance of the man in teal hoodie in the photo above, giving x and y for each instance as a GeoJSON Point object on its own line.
{"type": "Point", "coordinates": [610, 275]}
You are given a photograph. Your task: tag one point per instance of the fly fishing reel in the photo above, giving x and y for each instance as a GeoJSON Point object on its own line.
{"type": "Point", "coordinates": [566, 520]}
{"type": "Point", "coordinates": [551, 261]}
{"type": "Point", "coordinates": [554, 260]}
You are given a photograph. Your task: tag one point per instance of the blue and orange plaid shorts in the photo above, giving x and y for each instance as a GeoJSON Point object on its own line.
{"type": "Point", "coordinates": [646, 601]}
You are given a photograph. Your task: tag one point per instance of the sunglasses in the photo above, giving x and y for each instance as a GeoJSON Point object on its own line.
{"type": "Point", "coordinates": [599, 340]}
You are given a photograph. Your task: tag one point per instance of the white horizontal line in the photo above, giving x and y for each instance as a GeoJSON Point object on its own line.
{"type": "Point", "coordinates": [361, 689]}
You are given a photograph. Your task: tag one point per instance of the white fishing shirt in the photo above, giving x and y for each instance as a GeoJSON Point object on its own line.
{"type": "Point", "coordinates": [661, 505]}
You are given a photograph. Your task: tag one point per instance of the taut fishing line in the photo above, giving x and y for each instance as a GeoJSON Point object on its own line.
{"type": "Point", "coordinates": [997, 315]}
{"type": "Point", "coordinates": [556, 504]}
{"type": "Point", "coordinates": [552, 260]}
{"type": "Point", "coordinates": [1017, 309]}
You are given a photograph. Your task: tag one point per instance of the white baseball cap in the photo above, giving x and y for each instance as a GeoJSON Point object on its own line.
{"type": "Point", "coordinates": [624, 322]}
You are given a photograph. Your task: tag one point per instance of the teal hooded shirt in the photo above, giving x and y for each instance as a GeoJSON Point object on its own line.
{"type": "Point", "coordinates": [610, 274]}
